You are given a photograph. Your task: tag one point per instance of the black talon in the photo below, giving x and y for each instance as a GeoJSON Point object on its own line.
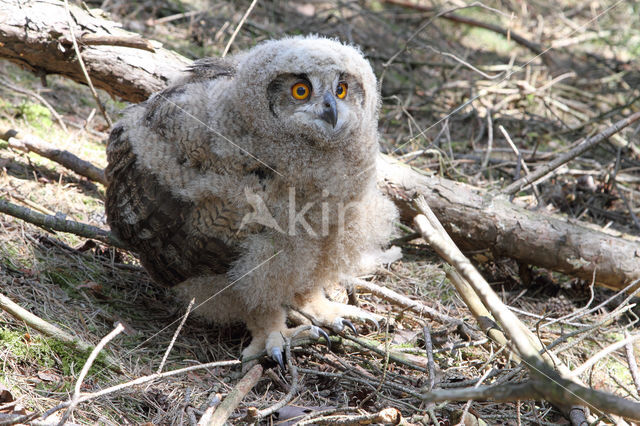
{"type": "Point", "coordinates": [350, 325]}
{"type": "Point", "coordinates": [326, 337]}
{"type": "Point", "coordinates": [277, 356]}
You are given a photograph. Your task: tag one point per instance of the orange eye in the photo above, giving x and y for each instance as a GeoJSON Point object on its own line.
{"type": "Point", "coordinates": [300, 91]}
{"type": "Point", "coordinates": [341, 90]}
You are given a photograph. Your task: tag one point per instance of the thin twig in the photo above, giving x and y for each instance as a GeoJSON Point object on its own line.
{"type": "Point", "coordinates": [43, 101]}
{"type": "Point", "coordinates": [569, 155]}
{"type": "Point", "coordinates": [534, 47]}
{"type": "Point", "coordinates": [230, 403]}
{"type": "Point", "coordinates": [431, 366]}
{"type": "Point", "coordinates": [175, 336]}
{"type": "Point", "coordinates": [633, 365]}
{"type": "Point", "coordinates": [237, 30]}
{"type": "Point", "coordinates": [521, 160]}
{"type": "Point", "coordinates": [604, 352]}
{"type": "Point", "coordinates": [405, 302]}
{"type": "Point", "coordinates": [134, 42]}
{"type": "Point", "coordinates": [85, 369]}
{"type": "Point", "coordinates": [84, 69]}
{"type": "Point", "coordinates": [139, 381]}
{"type": "Point", "coordinates": [387, 416]}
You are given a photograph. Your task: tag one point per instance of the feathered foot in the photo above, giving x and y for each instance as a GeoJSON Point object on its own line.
{"type": "Point", "coordinates": [269, 332]}
{"type": "Point", "coordinates": [333, 315]}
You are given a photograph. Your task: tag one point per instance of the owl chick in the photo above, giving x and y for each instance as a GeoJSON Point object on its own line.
{"type": "Point", "coordinates": [250, 185]}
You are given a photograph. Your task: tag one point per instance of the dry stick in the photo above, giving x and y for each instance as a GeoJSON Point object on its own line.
{"type": "Point", "coordinates": [139, 381]}
{"type": "Point", "coordinates": [396, 357]}
{"type": "Point", "coordinates": [536, 48]}
{"type": "Point", "coordinates": [39, 98]}
{"type": "Point", "coordinates": [431, 366]}
{"type": "Point", "coordinates": [30, 143]}
{"type": "Point", "coordinates": [48, 329]}
{"type": "Point", "coordinates": [516, 151]}
{"type": "Point", "coordinates": [633, 366]}
{"type": "Point", "coordinates": [546, 382]}
{"type": "Point", "coordinates": [405, 302]}
{"type": "Point", "coordinates": [242, 388]}
{"type": "Point", "coordinates": [604, 352]}
{"type": "Point", "coordinates": [84, 69]}
{"type": "Point", "coordinates": [569, 155]}
{"type": "Point", "coordinates": [387, 416]}
{"type": "Point", "coordinates": [85, 369]}
{"type": "Point", "coordinates": [211, 407]}
{"type": "Point", "coordinates": [478, 310]}
{"type": "Point", "coordinates": [237, 30]}
{"type": "Point", "coordinates": [135, 42]}
{"type": "Point", "coordinates": [55, 223]}
{"type": "Point", "coordinates": [175, 336]}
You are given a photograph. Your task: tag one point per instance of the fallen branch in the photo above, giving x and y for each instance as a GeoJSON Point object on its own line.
{"type": "Point", "coordinates": [584, 146]}
{"type": "Point", "coordinates": [479, 221]}
{"type": "Point", "coordinates": [230, 403]}
{"type": "Point", "coordinates": [35, 35]}
{"type": "Point", "coordinates": [50, 330]}
{"type": "Point", "coordinates": [55, 223]}
{"type": "Point", "coordinates": [546, 383]}
{"type": "Point", "coordinates": [30, 143]}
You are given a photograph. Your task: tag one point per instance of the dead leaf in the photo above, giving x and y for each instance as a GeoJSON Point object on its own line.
{"type": "Point", "coordinates": [306, 9]}
{"type": "Point", "coordinates": [47, 376]}
{"type": "Point", "coordinates": [92, 285]}
{"type": "Point", "coordinates": [5, 395]}
{"type": "Point", "coordinates": [294, 413]}
{"type": "Point", "coordinates": [402, 337]}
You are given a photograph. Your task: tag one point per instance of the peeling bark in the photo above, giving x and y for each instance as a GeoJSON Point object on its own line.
{"type": "Point", "coordinates": [35, 35]}
{"type": "Point", "coordinates": [478, 220]}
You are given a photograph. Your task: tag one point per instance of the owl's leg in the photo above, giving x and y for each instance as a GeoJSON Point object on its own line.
{"type": "Point", "coordinates": [269, 331]}
{"type": "Point", "coordinates": [334, 315]}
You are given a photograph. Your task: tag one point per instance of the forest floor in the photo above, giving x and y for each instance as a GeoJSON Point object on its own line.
{"type": "Point", "coordinates": [448, 91]}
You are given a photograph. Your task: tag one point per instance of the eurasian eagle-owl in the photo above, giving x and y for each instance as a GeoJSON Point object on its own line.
{"type": "Point", "coordinates": [251, 185]}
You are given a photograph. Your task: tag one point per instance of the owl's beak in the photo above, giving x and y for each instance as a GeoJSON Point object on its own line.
{"type": "Point", "coordinates": [329, 109]}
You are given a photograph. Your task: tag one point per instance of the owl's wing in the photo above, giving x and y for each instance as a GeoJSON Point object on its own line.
{"type": "Point", "coordinates": [175, 238]}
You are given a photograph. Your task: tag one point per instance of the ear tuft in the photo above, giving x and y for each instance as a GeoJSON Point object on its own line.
{"type": "Point", "coordinates": [211, 68]}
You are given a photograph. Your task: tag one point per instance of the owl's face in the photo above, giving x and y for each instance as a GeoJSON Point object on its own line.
{"type": "Point", "coordinates": [307, 91]}
{"type": "Point", "coordinates": [321, 108]}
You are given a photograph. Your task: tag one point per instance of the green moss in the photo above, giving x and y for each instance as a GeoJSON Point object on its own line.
{"type": "Point", "coordinates": [47, 352]}
{"type": "Point", "coordinates": [35, 114]}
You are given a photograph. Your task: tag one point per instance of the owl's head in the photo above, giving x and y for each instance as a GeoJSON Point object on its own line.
{"type": "Point", "coordinates": [310, 89]}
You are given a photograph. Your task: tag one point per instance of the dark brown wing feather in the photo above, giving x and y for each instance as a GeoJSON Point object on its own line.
{"type": "Point", "coordinates": [169, 234]}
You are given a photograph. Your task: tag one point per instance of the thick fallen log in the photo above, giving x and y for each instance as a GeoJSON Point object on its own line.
{"type": "Point", "coordinates": [478, 220]}
{"type": "Point", "coordinates": [36, 35]}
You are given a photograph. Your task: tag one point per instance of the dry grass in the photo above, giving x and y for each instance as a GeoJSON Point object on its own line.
{"type": "Point", "coordinates": [87, 291]}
